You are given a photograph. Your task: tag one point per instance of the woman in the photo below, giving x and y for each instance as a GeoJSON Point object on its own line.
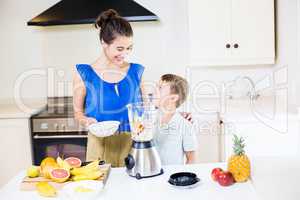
{"type": "Point", "coordinates": [104, 88]}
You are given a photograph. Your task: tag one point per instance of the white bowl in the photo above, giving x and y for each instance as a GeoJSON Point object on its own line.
{"type": "Point", "coordinates": [82, 190]}
{"type": "Point", "coordinates": [104, 129]}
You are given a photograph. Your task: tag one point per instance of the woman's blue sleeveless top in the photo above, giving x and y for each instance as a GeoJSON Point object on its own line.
{"type": "Point", "coordinates": [106, 101]}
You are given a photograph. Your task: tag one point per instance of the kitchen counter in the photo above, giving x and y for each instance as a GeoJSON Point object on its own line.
{"type": "Point", "coordinates": [121, 186]}
{"type": "Point", "coordinates": [9, 109]}
{"type": "Point", "coordinates": [276, 178]}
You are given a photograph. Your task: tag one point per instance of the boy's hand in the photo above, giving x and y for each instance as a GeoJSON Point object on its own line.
{"type": "Point", "coordinates": [190, 157]}
{"type": "Point", "coordinates": [187, 116]}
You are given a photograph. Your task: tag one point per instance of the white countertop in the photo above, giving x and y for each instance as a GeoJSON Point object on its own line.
{"type": "Point", "coordinates": [276, 178]}
{"type": "Point", "coordinates": [10, 109]}
{"type": "Point", "coordinates": [121, 186]}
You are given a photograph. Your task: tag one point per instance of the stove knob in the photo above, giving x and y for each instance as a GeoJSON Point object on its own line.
{"type": "Point", "coordinates": [55, 126]}
{"type": "Point", "coordinates": [44, 125]}
{"type": "Point", "coordinates": [63, 127]}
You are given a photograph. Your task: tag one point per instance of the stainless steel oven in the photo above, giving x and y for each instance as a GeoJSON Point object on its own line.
{"type": "Point", "coordinates": [54, 132]}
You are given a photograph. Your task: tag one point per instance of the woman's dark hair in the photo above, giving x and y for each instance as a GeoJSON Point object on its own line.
{"type": "Point", "coordinates": [111, 25]}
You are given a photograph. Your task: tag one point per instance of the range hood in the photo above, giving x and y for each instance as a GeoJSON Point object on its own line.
{"type": "Point", "coordinates": [86, 11]}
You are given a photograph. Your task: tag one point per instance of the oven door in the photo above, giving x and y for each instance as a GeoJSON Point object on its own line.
{"type": "Point", "coordinates": [64, 145]}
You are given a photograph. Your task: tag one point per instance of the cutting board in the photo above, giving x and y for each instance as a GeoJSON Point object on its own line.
{"type": "Point", "coordinates": [28, 184]}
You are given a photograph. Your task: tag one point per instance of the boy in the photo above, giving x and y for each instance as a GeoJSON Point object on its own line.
{"type": "Point", "coordinates": [174, 137]}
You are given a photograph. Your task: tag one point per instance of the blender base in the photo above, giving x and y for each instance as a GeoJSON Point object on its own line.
{"type": "Point", "coordinates": [143, 160]}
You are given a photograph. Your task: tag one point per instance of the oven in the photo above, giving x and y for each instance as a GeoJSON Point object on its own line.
{"type": "Point", "coordinates": [55, 132]}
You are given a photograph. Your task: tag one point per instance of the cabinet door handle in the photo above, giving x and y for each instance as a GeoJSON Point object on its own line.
{"type": "Point", "coordinates": [236, 46]}
{"type": "Point", "coordinates": [227, 46]}
{"type": "Point", "coordinates": [59, 136]}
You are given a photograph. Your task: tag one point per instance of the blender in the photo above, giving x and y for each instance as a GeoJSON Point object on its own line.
{"type": "Point", "coordinates": [143, 160]}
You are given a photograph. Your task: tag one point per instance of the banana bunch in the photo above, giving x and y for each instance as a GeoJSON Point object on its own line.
{"type": "Point", "coordinates": [93, 175]}
{"type": "Point", "coordinates": [88, 172]}
{"type": "Point", "coordinates": [93, 166]}
{"type": "Point", "coordinates": [45, 189]}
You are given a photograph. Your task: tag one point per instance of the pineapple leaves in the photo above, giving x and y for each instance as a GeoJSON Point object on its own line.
{"type": "Point", "coordinates": [238, 145]}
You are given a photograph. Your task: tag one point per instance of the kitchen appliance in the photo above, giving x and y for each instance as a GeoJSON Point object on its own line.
{"type": "Point", "coordinates": [184, 180]}
{"type": "Point", "coordinates": [54, 131]}
{"type": "Point", "coordinates": [85, 12]}
{"type": "Point", "coordinates": [143, 160]}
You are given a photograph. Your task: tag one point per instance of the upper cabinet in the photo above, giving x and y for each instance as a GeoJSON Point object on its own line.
{"type": "Point", "coordinates": [231, 32]}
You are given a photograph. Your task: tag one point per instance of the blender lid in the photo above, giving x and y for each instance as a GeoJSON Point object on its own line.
{"type": "Point", "coordinates": [183, 179]}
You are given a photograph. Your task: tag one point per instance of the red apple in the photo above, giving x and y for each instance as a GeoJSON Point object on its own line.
{"type": "Point", "coordinates": [215, 173]}
{"type": "Point", "coordinates": [225, 178]}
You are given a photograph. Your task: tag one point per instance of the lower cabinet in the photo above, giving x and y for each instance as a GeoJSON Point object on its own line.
{"type": "Point", "coordinates": [15, 148]}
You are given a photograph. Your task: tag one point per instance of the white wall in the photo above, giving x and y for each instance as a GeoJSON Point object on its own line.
{"type": "Point", "coordinates": [160, 46]}
{"type": "Point", "coordinates": [21, 47]}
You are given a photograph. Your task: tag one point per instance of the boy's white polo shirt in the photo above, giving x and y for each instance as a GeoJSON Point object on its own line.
{"type": "Point", "coordinates": [175, 138]}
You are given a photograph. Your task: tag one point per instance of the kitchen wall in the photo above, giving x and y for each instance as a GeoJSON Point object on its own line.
{"type": "Point", "coordinates": [160, 46]}
{"type": "Point", "coordinates": [21, 47]}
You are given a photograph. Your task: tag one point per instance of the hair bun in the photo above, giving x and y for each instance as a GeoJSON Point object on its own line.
{"type": "Point", "coordinates": [106, 17]}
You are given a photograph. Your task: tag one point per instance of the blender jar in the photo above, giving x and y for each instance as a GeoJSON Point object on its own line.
{"type": "Point", "coordinates": [143, 120]}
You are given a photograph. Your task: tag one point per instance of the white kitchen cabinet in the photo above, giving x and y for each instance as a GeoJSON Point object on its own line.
{"type": "Point", "coordinates": [14, 147]}
{"type": "Point", "coordinates": [231, 32]}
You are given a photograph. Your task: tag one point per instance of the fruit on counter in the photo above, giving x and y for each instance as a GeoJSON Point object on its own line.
{"type": "Point", "coordinates": [93, 175]}
{"type": "Point", "coordinates": [93, 166]}
{"type": "Point", "coordinates": [60, 170]}
{"type": "Point", "coordinates": [215, 173]}
{"type": "Point", "coordinates": [81, 189]}
{"type": "Point", "coordinates": [33, 171]}
{"type": "Point", "coordinates": [239, 163]}
{"type": "Point", "coordinates": [47, 165]}
{"type": "Point", "coordinates": [88, 172]}
{"type": "Point", "coordinates": [59, 175]}
{"type": "Point", "coordinates": [73, 161]}
{"type": "Point", "coordinates": [45, 189]}
{"type": "Point", "coordinates": [47, 160]}
{"type": "Point", "coordinates": [225, 178]}
{"type": "Point", "coordinates": [63, 164]}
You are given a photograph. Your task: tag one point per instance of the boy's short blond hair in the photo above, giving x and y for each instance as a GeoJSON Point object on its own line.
{"type": "Point", "coordinates": [178, 85]}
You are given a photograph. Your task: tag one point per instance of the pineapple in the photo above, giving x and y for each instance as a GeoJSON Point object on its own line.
{"type": "Point", "coordinates": [239, 164]}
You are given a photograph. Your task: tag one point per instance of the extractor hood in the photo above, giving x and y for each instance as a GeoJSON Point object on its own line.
{"type": "Point", "coordinates": [86, 11]}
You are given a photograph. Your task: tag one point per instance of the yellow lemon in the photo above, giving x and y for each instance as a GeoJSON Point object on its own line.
{"type": "Point", "coordinates": [33, 171]}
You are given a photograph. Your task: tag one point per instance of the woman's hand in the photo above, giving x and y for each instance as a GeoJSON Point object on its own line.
{"type": "Point", "coordinates": [187, 116]}
{"type": "Point", "coordinates": [86, 121]}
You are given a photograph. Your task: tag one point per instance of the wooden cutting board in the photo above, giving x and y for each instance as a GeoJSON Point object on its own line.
{"type": "Point", "coordinates": [28, 184]}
